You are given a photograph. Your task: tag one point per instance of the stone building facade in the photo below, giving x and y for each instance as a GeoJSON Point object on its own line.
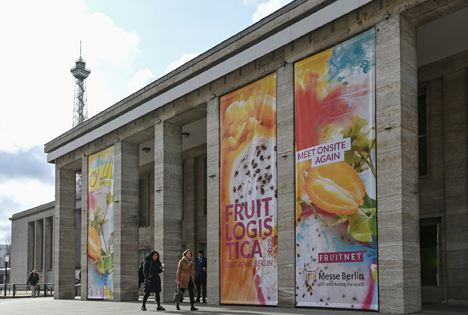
{"type": "Point", "coordinates": [421, 130]}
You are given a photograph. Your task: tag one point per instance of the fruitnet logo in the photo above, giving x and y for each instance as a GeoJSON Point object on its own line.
{"type": "Point", "coordinates": [341, 257]}
{"type": "Point", "coordinates": [311, 275]}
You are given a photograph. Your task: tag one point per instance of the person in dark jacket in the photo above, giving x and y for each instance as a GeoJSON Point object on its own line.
{"type": "Point", "coordinates": [151, 269]}
{"type": "Point", "coordinates": [200, 275]}
{"type": "Point", "coordinates": [32, 281]}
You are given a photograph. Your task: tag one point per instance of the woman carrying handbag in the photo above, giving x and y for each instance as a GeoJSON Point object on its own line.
{"type": "Point", "coordinates": [186, 277]}
{"type": "Point", "coordinates": [151, 269]}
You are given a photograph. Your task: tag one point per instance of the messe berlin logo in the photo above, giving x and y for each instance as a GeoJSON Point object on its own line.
{"type": "Point", "coordinates": [311, 275]}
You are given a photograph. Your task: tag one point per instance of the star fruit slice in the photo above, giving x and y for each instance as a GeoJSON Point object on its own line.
{"type": "Point", "coordinates": [335, 188]}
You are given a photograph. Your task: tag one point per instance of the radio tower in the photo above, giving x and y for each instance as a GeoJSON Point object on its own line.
{"type": "Point", "coordinates": [80, 110]}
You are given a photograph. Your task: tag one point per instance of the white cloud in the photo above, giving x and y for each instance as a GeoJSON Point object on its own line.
{"type": "Point", "coordinates": [105, 41]}
{"type": "Point", "coordinates": [176, 64]}
{"type": "Point", "coordinates": [266, 8]}
{"type": "Point", "coordinates": [100, 96]}
{"type": "Point", "coordinates": [40, 41]}
{"type": "Point", "coordinates": [19, 196]}
{"type": "Point", "coordinates": [140, 79]}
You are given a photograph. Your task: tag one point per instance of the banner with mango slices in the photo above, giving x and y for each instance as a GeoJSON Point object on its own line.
{"type": "Point", "coordinates": [101, 225]}
{"type": "Point", "coordinates": [336, 223]}
{"type": "Point", "coordinates": [248, 195]}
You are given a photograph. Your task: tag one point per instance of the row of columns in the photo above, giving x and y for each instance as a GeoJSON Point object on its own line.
{"type": "Point", "coordinates": [40, 247]}
{"type": "Point", "coordinates": [398, 218]}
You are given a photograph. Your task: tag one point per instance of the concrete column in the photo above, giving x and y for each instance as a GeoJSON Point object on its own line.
{"type": "Point", "coordinates": [31, 246]}
{"type": "Point", "coordinates": [200, 200]}
{"type": "Point", "coordinates": [397, 167]}
{"type": "Point", "coordinates": [213, 233]}
{"type": "Point", "coordinates": [126, 221]}
{"type": "Point", "coordinates": [168, 204]}
{"type": "Point", "coordinates": [190, 218]}
{"type": "Point", "coordinates": [78, 239]}
{"type": "Point", "coordinates": [456, 186]}
{"type": "Point", "coordinates": [47, 248]}
{"type": "Point", "coordinates": [285, 169]}
{"type": "Point", "coordinates": [64, 238]}
{"type": "Point", "coordinates": [44, 249]}
{"type": "Point", "coordinates": [38, 247]}
{"type": "Point", "coordinates": [84, 228]}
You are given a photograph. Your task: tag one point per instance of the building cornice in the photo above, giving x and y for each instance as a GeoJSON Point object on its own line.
{"type": "Point", "coordinates": [40, 208]}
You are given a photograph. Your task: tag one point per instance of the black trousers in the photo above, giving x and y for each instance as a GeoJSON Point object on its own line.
{"type": "Point", "coordinates": [201, 284]}
{"type": "Point", "coordinates": [156, 294]}
{"type": "Point", "coordinates": [190, 291]}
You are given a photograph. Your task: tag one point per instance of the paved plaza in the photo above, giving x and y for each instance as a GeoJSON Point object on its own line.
{"type": "Point", "coordinates": [49, 306]}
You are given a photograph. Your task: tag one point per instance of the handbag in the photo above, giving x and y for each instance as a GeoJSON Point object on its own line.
{"type": "Point", "coordinates": [178, 295]}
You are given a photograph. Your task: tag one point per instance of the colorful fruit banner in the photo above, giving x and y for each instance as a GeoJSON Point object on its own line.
{"type": "Point", "coordinates": [336, 224]}
{"type": "Point", "coordinates": [101, 225]}
{"type": "Point", "coordinates": [248, 195]}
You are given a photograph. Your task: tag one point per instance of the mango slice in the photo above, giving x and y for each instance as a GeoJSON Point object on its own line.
{"type": "Point", "coordinates": [336, 188]}
{"type": "Point", "coordinates": [94, 243]}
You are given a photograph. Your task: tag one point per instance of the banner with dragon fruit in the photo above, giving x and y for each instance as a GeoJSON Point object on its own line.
{"type": "Point", "coordinates": [101, 225]}
{"type": "Point", "coordinates": [248, 195]}
{"type": "Point", "coordinates": [336, 224]}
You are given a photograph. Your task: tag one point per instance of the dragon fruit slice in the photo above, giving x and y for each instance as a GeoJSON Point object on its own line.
{"type": "Point", "coordinates": [314, 237]}
{"type": "Point", "coordinates": [255, 174]}
{"type": "Point", "coordinates": [253, 178]}
{"type": "Point", "coordinates": [96, 283]}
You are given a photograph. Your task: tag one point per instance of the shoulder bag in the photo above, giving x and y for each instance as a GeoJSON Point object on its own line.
{"type": "Point", "coordinates": [178, 295]}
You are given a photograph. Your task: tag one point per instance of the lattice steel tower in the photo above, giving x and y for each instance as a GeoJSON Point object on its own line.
{"type": "Point", "coordinates": [80, 110]}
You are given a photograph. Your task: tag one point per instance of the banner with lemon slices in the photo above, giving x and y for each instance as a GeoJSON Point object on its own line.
{"type": "Point", "coordinates": [248, 195]}
{"type": "Point", "coordinates": [101, 225]}
{"type": "Point", "coordinates": [336, 224]}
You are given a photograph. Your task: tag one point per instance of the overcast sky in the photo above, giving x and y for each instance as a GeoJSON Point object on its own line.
{"type": "Point", "coordinates": [126, 44]}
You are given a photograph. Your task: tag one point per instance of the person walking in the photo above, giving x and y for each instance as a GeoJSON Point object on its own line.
{"type": "Point", "coordinates": [32, 281]}
{"type": "Point", "coordinates": [186, 277]}
{"type": "Point", "coordinates": [151, 270]}
{"type": "Point", "coordinates": [200, 275]}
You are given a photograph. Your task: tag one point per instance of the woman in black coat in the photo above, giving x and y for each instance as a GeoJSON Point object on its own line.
{"type": "Point", "coordinates": [151, 269]}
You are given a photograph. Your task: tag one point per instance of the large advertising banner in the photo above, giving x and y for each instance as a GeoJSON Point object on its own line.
{"type": "Point", "coordinates": [101, 225]}
{"type": "Point", "coordinates": [248, 195]}
{"type": "Point", "coordinates": [336, 247]}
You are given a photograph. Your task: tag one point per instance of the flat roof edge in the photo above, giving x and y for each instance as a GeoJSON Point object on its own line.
{"type": "Point", "coordinates": [27, 212]}
{"type": "Point", "coordinates": [45, 206]}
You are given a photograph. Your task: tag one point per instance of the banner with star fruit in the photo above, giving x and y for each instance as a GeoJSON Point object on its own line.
{"type": "Point", "coordinates": [336, 223]}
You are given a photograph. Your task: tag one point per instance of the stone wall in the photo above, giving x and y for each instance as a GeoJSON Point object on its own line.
{"type": "Point", "coordinates": [443, 194]}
